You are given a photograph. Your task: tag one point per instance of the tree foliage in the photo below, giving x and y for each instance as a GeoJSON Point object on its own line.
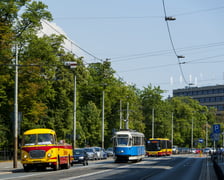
{"type": "Point", "coordinates": [46, 89]}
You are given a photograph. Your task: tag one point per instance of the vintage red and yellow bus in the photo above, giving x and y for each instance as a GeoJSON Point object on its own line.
{"type": "Point", "coordinates": [40, 149]}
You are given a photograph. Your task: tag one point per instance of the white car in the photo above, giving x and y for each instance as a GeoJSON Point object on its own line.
{"type": "Point", "coordinates": [99, 152]}
{"type": "Point", "coordinates": [193, 150]}
{"type": "Point", "coordinates": [175, 150]}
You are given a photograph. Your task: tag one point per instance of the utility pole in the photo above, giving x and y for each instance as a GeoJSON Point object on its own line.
{"type": "Point", "coordinates": [120, 114]}
{"type": "Point", "coordinates": [103, 121]}
{"type": "Point", "coordinates": [127, 126]}
{"type": "Point", "coordinates": [172, 130]}
{"type": "Point", "coordinates": [74, 116]}
{"type": "Point", "coordinates": [16, 112]}
{"type": "Point", "coordinates": [72, 65]}
{"type": "Point", "coordinates": [206, 136]}
{"type": "Point", "coordinates": [192, 133]}
{"type": "Point", "coordinates": [153, 123]}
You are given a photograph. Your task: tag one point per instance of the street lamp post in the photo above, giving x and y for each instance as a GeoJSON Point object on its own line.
{"type": "Point", "coordinates": [16, 112]}
{"type": "Point", "coordinates": [172, 130]}
{"type": "Point", "coordinates": [206, 136]}
{"type": "Point", "coordinates": [127, 118]}
{"type": "Point", "coordinates": [72, 65]}
{"type": "Point", "coordinates": [103, 121]}
{"type": "Point", "coordinates": [153, 123]}
{"type": "Point", "coordinates": [192, 133]}
{"type": "Point", "coordinates": [120, 114]}
{"type": "Point", "coordinates": [74, 116]}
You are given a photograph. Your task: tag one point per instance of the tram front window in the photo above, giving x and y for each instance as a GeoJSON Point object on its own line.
{"type": "Point", "coordinates": [122, 140]}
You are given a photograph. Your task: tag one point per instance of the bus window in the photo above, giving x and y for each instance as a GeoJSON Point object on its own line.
{"type": "Point", "coordinates": [29, 140]}
{"type": "Point", "coordinates": [45, 139]}
{"type": "Point", "coordinates": [152, 146]}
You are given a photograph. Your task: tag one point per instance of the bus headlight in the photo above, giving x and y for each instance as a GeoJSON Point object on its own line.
{"type": "Point", "coordinates": [49, 155]}
{"type": "Point", "coordinates": [25, 156]}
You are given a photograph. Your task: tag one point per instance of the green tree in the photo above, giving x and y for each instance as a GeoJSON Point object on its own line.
{"type": "Point", "coordinates": [91, 124]}
{"type": "Point", "coordinates": [151, 99]}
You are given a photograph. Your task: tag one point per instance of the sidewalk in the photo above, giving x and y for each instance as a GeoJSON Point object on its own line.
{"type": "Point", "coordinates": [7, 166]}
{"type": "Point", "coordinates": [218, 164]}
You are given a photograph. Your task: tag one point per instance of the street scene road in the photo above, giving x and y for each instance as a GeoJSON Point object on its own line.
{"type": "Point", "coordinates": [189, 166]}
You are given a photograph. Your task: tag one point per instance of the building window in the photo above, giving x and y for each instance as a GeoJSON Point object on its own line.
{"type": "Point", "coordinates": [207, 99]}
{"type": "Point", "coordinates": [220, 108]}
{"type": "Point", "coordinates": [210, 91]}
{"type": "Point", "coordinates": [218, 99]}
{"type": "Point", "coordinates": [221, 90]}
{"type": "Point", "coordinates": [216, 91]}
{"type": "Point", "coordinates": [199, 92]}
{"type": "Point", "coordinates": [212, 99]}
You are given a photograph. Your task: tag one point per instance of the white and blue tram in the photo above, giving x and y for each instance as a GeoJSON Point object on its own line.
{"type": "Point", "coordinates": [129, 145]}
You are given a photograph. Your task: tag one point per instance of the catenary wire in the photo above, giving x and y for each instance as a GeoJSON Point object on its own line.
{"type": "Point", "coordinates": [172, 44]}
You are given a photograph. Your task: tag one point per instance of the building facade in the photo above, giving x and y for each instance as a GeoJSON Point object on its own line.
{"type": "Point", "coordinates": [210, 96]}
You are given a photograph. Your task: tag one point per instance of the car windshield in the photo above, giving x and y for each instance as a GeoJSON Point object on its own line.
{"type": "Point", "coordinates": [109, 149]}
{"type": "Point", "coordinates": [97, 149]}
{"type": "Point", "coordinates": [78, 152]}
{"type": "Point", "coordinates": [89, 150]}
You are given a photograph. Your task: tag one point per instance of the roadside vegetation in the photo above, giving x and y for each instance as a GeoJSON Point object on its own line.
{"type": "Point", "coordinates": [46, 89]}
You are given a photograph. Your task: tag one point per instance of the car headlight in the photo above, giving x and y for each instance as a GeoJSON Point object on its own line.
{"type": "Point", "coordinates": [81, 157]}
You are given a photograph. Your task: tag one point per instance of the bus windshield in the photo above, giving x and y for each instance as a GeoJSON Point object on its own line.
{"type": "Point", "coordinates": [152, 147]}
{"type": "Point", "coordinates": [40, 139]}
{"type": "Point", "coordinates": [122, 140]}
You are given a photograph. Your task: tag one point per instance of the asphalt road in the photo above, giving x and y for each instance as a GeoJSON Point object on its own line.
{"type": "Point", "coordinates": [173, 167]}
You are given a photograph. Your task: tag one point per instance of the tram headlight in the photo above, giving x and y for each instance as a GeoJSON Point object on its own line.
{"type": "Point", "coordinates": [121, 151]}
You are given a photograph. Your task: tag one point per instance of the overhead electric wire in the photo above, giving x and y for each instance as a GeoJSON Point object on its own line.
{"type": "Point", "coordinates": [199, 11]}
{"type": "Point", "coordinates": [172, 44]}
{"type": "Point", "coordinates": [108, 17]}
{"type": "Point", "coordinates": [195, 61]}
{"type": "Point", "coordinates": [162, 52]}
{"type": "Point", "coordinates": [90, 54]}
{"type": "Point", "coordinates": [139, 17]}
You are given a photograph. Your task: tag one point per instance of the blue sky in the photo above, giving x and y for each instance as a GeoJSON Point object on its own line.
{"type": "Point", "coordinates": [134, 36]}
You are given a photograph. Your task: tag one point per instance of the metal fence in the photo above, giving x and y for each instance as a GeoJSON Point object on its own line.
{"type": "Point", "coordinates": [6, 154]}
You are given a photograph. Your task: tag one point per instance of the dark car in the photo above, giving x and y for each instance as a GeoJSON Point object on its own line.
{"type": "Point", "coordinates": [80, 157]}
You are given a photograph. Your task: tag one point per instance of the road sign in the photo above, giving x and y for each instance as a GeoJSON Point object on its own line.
{"type": "Point", "coordinates": [216, 128]}
{"type": "Point", "coordinates": [200, 140]}
{"type": "Point", "coordinates": [215, 136]}
{"type": "Point", "coordinates": [71, 64]}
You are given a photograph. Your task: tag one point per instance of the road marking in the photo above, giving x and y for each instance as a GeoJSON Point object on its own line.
{"type": "Point", "coordinates": [94, 173]}
{"type": "Point", "coordinates": [85, 175]}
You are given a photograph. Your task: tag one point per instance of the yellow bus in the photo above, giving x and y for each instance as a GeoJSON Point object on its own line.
{"type": "Point", "coordinates": [158, 147]}
{"type": "Point", "coordinates": [40, 149]}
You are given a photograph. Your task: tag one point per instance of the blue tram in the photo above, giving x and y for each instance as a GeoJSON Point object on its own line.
{"type": "Point", "coordinates": [129, 145]}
